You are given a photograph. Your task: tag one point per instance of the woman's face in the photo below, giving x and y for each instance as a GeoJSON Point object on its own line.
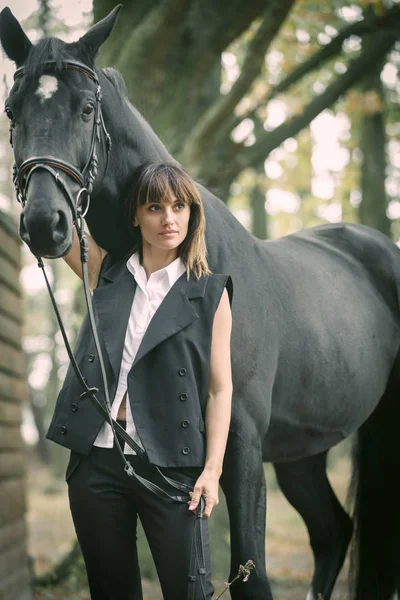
{"type": "Point", "coordinates": [164, 224]}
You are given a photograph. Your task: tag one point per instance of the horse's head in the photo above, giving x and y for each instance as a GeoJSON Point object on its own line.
{"type": "Point", "coordinates": [56, 126]}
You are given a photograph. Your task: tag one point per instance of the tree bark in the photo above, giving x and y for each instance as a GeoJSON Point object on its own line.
{"type": "Point", "coordinates": [373, 207]}
{"type": "Point", "coordinates": [259, 222]}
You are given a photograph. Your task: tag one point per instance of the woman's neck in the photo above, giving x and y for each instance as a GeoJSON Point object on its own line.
{"type": "Point", "coordinates": [154, 261]}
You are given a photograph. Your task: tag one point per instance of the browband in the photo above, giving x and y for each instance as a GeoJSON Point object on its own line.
{"type": "Point", "coordinates": [68, 64]}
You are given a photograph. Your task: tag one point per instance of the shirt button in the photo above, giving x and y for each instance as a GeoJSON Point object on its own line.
{"type": "Point", "coordinates": [74, 407]}
{"type": "Point", "coordinates": [185, 450]}
{"type": "Point", "coordinates": [183, 397]}
{"type": "Point", "coordinates": [182, 372]}
{"type": "Point", "coordinates": [91, 357]}
{"type": "Point", "coordinates": [64, 430]}
{"type": "Point", "coordinates": [185, 423]}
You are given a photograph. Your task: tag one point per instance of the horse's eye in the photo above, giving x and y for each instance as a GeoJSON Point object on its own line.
{"type": "Point", "coordinates": [88, 108]}
{"type": "Point", "coordinates": [9, 113]}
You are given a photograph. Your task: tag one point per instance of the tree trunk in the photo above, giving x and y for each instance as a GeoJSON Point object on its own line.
{"type": "Point", "coordinates": [372, 210]}
{"type": "Point", "coordinates": [259, 222]}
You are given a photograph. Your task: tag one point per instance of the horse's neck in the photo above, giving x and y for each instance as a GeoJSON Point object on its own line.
{"type": "Point", "coordinates": [133, 143]}
{"type": "Point", "coordinates": [147, 133]}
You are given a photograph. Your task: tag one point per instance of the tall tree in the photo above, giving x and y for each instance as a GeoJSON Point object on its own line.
{"type": "Point", "coordinates": [171, 62]}
{"type": "Point", "coordinates": [372, 210]}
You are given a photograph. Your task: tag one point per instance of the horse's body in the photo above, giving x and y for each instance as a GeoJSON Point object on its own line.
{"type": "Point", "coordinates": [316, 326]}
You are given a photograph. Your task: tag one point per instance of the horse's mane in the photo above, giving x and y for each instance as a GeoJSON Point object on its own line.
{"type": "Point", "coordinates": [116, 79]}
{"type": "Point", "coordinates": [53, 49]}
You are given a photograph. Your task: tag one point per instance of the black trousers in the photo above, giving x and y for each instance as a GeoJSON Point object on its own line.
{"type": "Point", "coordinates": [105, 503]}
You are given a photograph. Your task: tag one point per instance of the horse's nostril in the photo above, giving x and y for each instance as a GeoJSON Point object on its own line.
{"type": "Point", "coordinates": [61, 228]}
{"type": "Point", "coordinates": [23, 232]}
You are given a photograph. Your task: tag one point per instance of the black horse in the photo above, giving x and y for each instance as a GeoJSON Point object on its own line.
{"type": "Point", "coordinates": [316, 334]}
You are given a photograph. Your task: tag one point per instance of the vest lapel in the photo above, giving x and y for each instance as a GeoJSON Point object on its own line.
{"type": "Point", "coordinates": [113, 303]}
{"type": "Point", "coordinates": [174, 313]}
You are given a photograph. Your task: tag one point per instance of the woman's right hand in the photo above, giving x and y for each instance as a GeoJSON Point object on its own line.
{"type": "Point", "coordinates": [96, 255]}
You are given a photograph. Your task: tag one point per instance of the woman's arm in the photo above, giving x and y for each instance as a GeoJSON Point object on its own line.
{"type": "Point", "coordinates": [218, 412]}
{"type": "Point", "coordinates": [96, 255]}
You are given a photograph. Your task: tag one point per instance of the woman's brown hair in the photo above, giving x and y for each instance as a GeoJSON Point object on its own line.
{"type": "Point", "coordinates": [154, 181]}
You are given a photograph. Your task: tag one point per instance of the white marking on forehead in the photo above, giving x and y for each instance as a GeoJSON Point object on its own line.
{"type": "Point", "coordinates": [48, 85]}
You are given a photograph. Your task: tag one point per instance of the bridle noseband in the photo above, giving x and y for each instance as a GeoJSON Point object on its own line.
{"type": "Point", "coordinates": [86, 177]}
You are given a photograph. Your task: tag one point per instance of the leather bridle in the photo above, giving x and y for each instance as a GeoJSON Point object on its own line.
{"type": "Point", "coordinates": [85, 178]}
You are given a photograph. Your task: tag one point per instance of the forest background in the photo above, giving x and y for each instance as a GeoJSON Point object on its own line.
{"type": "Point", "coordinates": [288, 110]}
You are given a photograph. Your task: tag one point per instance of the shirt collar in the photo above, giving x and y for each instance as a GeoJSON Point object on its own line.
{"type": "Point", "coordinates": [173, 271]}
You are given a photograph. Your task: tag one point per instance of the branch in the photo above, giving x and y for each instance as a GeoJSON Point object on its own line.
{"type": "Point", "coordinates": [368, 24]}
{"type": "Point", "coordinates": [382, 43]}
{"type": "Point", "coordinates": [210, 124]}
{"type": "Point", "coordinates": [220, 28]}
{"type": "Point", "coordinates": [224, 26]}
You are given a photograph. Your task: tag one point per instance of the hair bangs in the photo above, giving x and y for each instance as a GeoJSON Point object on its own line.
{"type": "Point", "coordinates": [165, 181]}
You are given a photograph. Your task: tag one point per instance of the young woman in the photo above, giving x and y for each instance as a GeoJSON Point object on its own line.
{"type": "Point", "coordinates": [165, 325]}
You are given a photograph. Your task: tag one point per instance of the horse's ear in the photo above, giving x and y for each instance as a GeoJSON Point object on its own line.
{"type": "Point", "coordinates": [97, 35]}
{"type": "Point", "coordinates": [13, 39]}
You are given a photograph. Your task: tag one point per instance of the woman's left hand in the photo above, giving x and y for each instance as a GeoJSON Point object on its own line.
{"type": "Point", "coordinates": [207, 486]}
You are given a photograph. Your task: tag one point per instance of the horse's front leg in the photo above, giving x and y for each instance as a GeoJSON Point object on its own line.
{"type": "Point", "coordinates": [243, 483]}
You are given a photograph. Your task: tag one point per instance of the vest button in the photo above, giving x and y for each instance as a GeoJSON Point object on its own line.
{"type": "Point", "coordinates": [183, 397]}
{"type": "Point", "coordinates": [185, 450]}
{"type": "Point", "coordinates": [182, 372]}
{"type": "Point", "coordinates": [185, 423]}
{"type": "Point", "coordinates": [64, 430]}
{"type": "Point", "coordinates": [91, 357]}
{"type": "Point", "coordinates": [74, 407]}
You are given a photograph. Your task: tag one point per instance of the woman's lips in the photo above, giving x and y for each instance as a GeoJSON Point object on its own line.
{"type": "Point", "coordinates": [167, 233]}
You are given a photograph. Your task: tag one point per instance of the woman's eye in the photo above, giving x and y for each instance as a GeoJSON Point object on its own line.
{"type": "Point", "coordinates": [154, 207]}
{"type": "Point", "coordinates": [180, 205]}
{"type": "Point", "coordinates": [88, 109]}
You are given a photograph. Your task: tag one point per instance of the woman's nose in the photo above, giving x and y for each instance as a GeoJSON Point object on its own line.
{"type": "Point", "coordinates": [168, 217]}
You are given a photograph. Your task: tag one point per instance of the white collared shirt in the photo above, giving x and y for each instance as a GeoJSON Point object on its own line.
{"type": "Point", "coordinates": [148, 296]}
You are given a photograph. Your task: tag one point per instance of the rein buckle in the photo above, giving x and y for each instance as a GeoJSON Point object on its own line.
{"type": "Point", "coordinates": [89, 392]}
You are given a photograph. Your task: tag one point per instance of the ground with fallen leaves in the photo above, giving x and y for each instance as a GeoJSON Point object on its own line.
{"type": "Point", "coordinates": [51, 535]}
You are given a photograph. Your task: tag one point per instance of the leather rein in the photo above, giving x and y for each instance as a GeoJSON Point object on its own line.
{"type": "Point", "coordinates": [79, 208]}
{"type": "Point", "coordinates": [86, 179]}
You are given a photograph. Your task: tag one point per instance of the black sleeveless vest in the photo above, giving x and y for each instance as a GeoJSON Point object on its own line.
{"type": "Point", "coordinates": [168, 381]}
